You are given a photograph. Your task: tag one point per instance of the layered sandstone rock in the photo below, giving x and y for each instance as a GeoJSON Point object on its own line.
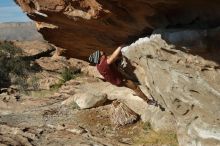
{"type": "Point", "coordinates": [82, 26]}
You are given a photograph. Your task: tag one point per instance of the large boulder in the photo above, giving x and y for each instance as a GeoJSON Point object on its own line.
{"type": "Point", "coordinates": [86, 100]}
{"type": "Point", "coordinates": [187, 85]}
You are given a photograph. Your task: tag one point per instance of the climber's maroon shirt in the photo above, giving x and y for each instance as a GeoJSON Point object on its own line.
{"type": "Point", "coordinates": [109, 72]}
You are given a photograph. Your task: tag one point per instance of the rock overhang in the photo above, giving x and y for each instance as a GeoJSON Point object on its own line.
{"type": "Point", "coordinates": [82, 26]}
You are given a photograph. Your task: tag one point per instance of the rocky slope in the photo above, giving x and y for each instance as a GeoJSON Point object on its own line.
{"type": "Point", "coordinates": [50, 112]}
{"type": "Point", "coordinates": [186, 85]}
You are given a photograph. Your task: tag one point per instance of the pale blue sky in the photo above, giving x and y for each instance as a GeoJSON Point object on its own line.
{"type": "Point", "coordinates": [10, 12]}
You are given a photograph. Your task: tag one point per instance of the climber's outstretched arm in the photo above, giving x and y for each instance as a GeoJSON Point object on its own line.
{"type": "Point", "coordinates": [113, 57]}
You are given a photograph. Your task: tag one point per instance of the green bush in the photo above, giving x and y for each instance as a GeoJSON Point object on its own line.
{"type": "Point", "coordinates": [56, 86]}
{"type": "Point", "coordinates": [22, 83]}
{"type": "Point", "coordinates": [12, 64]}
{"type": "Point", "coordinates": [66, 75]}
{"type": "Point", "coordinates": [6, 48]}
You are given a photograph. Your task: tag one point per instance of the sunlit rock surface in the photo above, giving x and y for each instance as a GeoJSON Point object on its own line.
{"type": "Point", "coordinates": [186, 85]}
{"type": "Point", "coordinates": [182, 73]}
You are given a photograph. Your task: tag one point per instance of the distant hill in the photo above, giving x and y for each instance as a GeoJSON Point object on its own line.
{"type": "Point", "coordinates": [22, 31]}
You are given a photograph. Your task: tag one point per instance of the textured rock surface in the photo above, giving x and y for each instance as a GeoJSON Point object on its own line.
{"type": "Point", "coordinates": [82, 26]}
{"type": "Point", "coordinates": [37, 47]}
{"type": "Point", "coordinates": [186, 84]}
{"type": "Point", "coordinates": [202, 42]}
{"type": "Point", "coordinates": [160, 120]}
{"type": "Point", "coordinates": [85, 100]}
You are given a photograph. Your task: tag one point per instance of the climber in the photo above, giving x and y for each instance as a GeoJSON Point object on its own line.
{"type": "Point", "coordinates": [106, 65]}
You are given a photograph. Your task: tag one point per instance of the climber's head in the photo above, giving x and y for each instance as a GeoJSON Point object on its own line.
{"type": "Point", "coordinates": [94, 58]}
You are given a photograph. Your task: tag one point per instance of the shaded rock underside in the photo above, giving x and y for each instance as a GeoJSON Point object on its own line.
{"type": "Point", "coordinates": [82, 26]}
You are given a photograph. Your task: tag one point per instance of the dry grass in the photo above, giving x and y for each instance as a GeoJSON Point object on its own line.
{"type": "Point", "coordinates": [98, 122]}
{"type": "Point", "coordinates": [144, 135]}
{"type": "Point", "coordinates": [148, 137]}
{"type": "Point", "coordinates": [40, 93]}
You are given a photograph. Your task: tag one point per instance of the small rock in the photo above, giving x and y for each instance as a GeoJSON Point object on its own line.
{"type": "Point", "coordinates": [2, 90]}
{"type": "Point", "coordinates": [121, 114]}
{"type": "Point", "coordinates": [126, 140]}
{"type": "Point", "coordinates": [86, 100]}
{"type": "Point", "coordinates": [78, 130]}
{"type": "Point", "coordinates": [68, 101]}
{"type": "Point", "coordinates": [6, 98]}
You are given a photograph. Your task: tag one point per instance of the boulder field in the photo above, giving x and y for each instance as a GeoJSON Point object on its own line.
{"type": "Point", "coordinates": [177, 64]}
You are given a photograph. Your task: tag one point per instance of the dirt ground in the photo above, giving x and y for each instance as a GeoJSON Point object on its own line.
{"type": "Point", "coordinates": [41, 119]}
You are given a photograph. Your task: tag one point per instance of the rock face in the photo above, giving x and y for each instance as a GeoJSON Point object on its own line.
{"type": "Point", "coordinates": [187, 85]}
{"type": "Point", "coordinates": [82, 26]}
{"type": "Point", "coordinates": [37, 47]}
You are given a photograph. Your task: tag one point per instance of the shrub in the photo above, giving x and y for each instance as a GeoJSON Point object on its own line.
{"type": "Point", "coordinates": [12, 64]}
{"type": "Point", "coordinates": [56, 86]}
{"type": "Point", "coordinates": [22, 83]}
{"type": "Point", "coordinates": [6, 48]}
{"type": "Point", "coordinates": [66, 75]}
{"type": "Point", "coordinates": [34, 83]}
